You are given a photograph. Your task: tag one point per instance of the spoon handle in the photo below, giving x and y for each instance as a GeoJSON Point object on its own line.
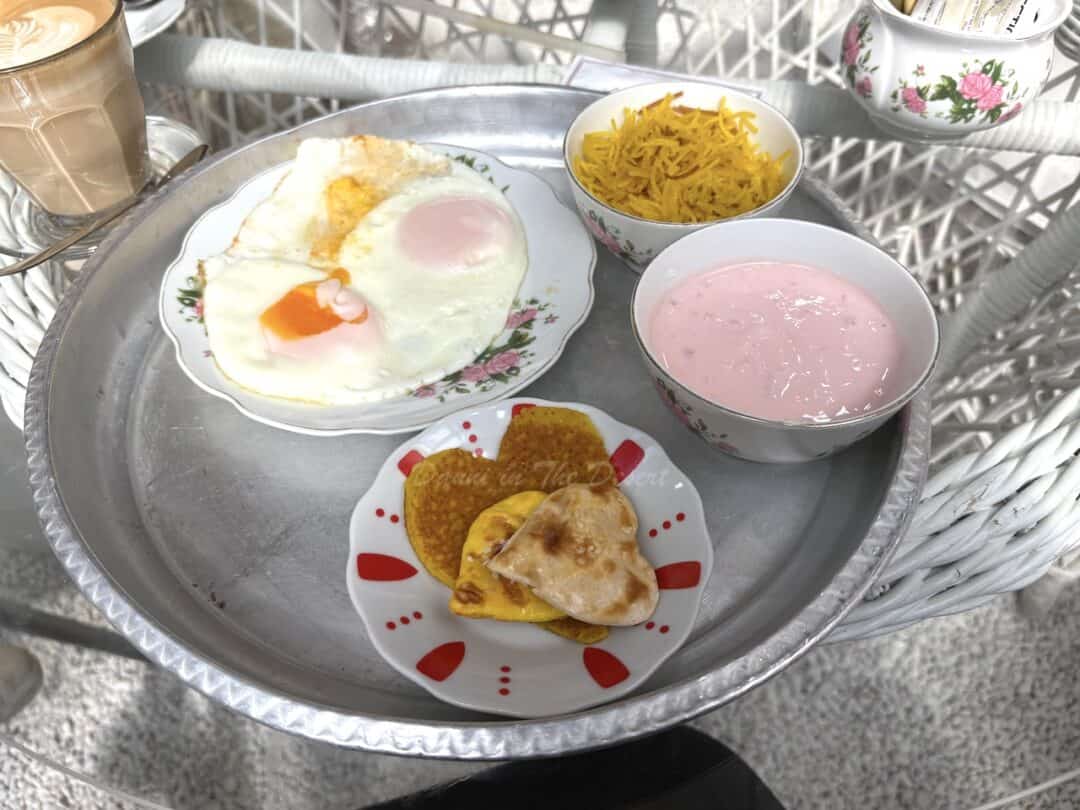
{"type": "Point", "coordinates": [182, 165]}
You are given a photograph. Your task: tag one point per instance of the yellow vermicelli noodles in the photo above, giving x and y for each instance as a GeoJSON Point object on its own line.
{"type": "Point", "coordinates": [671, 163]}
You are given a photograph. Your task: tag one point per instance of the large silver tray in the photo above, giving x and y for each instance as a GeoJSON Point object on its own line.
{"type": "Point", "coordinates": [216, 544]}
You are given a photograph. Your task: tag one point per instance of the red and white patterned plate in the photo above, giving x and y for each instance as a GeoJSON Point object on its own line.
{"type": "Point", "coordinates": [507, 667]}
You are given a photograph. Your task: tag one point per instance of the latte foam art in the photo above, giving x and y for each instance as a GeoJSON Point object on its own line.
{"type": "Point", "coordinates": [42, 32]}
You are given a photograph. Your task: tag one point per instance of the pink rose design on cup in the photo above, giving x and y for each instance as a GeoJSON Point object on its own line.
{"type": "Point", "coordinates": [912, 100]}
{"type": "Point", "coordinates": [990, 99]}
{"type": "Point", "coordinates": [977, 95]}
{"type": "Point", "coordinates": [976, 85]}
{"type": "Point", "coordinates": [502, 362]}
{"type": "Point", "coordinates": [424, 391]}
{"type": "Point", "coordinates": [199, 309]}
{"type": "Point", "coordinates": [474, 373]}
{"type": "Point", "coordinates": [520, 317]}
{"type": "Point", "coordinates": [864, 87]}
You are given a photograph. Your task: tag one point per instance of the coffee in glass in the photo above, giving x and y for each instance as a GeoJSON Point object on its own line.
{"type": "Point", "coordinates": [72, 124]}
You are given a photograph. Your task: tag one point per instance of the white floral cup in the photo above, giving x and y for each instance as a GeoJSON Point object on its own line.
{"type": "Point", "coordinates": [925, 83]}
{"type": "Point", "coordinates": [635, 240]}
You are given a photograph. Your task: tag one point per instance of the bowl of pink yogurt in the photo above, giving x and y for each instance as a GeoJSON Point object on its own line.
{"type": "Point", "coordinates": [780, 340]}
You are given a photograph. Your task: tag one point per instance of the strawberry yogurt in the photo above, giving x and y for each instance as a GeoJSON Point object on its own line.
{"type": "Point", "coordinates": [777, 341]}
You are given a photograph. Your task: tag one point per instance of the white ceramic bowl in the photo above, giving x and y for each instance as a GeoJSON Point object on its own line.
{"type": "Point", "coordinates": [921, 82]}
{"type": "Point", "coordinates": [633, 239]}
{"type": "Point", "coordinates": [891, 285]}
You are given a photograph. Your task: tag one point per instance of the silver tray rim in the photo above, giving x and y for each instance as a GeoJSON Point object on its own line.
{"type": "Point", "coordinates": [610, 723]}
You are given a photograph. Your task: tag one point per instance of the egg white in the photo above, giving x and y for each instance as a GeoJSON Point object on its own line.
{"type": "Point", "coordinates": [238, 290]}
{"type": "Point", "coordinates": [286, 224]}
{"type": "Point", "coordinates": [434, 322]}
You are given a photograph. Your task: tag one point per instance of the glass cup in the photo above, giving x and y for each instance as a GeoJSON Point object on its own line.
{"type": "Point", "coordinates": [72, 124]}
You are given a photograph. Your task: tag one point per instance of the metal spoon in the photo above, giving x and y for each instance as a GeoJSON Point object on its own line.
{"type": "Point", "coordinates": [182, 165]}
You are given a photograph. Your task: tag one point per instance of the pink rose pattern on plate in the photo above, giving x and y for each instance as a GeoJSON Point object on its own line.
{"type": "Point", "coordinates": [190, 299]}
{"type": "Point", "coordinates": [982, 92]}
{"type": "Point", "coordinates": [500, 362]}
{"type": "Point", "coordinates": [855, 56]}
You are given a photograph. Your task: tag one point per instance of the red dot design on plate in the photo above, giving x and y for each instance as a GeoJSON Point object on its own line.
{"type": "Point", "coordinates": [604, 667]}
{"type": "Point", "coordinates": [404, 620]}
{"type": "Point", "coordinates": [441, 662]}
{"type": "Point", "coordinates": [678, 575]}
{"type": "Point", "coordinates": [666, 525]}
{"type": "Point", "coordinates": [382, 568]}
{"type": "Point", "coordinates": [408, 461]}
{"type": "Point", "coordinates": [664, 628]}
{"type": "Point", "coordinates": [521, 406]}
{"type": "Point", "coordinates": [394, 518]}
{"type": "Point", "coordinates": [380, 512]}
{"type": "Point", "coordinates": [466, 425]}
{"type": "Point", "coordinates": [504, 691]}
{"type": "Point", "coordinates": [479, 451]}
{"type": "Point", "coordinates": [650, 625]}
{"type": "Point", "coordinates": [472, 438]}
{"type": "Point", "coordinates": [626, 458]}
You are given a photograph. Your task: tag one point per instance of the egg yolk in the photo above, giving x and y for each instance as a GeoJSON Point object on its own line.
{"type": "Point", "coordinates": [454, 233]}
{"type": "Point", "coordinates": [347, 202]}
{"type": "Point", "coordinates": [300, 313]}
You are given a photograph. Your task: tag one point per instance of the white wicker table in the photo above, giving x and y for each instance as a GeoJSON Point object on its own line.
{"type": "Point", "coordinates": [1001, 509]}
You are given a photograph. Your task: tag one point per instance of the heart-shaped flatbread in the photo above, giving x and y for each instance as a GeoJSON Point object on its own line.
{"type": "Point", "coordinates": [578, 551]}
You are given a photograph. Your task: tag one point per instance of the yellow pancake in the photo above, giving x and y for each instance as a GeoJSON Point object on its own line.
{"type": "Point", "coordinates": [575, 630]}
{"type": "Point", "coordinates": [443, 495]}
{"type": "Point", "coordinates": [482, 594]}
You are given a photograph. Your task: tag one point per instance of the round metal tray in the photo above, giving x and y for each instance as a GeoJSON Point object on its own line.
{"type": "Point", "coordinates": [215, 544]}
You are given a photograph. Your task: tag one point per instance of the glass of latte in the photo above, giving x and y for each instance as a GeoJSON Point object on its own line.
{"type": "Point", "coordinates": [72, 124]}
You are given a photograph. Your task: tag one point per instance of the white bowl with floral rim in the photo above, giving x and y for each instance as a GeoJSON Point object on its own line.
{"type": "Point", "coordinates": [514, 668]}
{"type": "Point", "coordinates": [553, 301]}
{"type": "Point", "coordinates": [922, 82]}
{"type": "Point", "coordinates": [636, 241]}
{"type": "Point", "coordinates": [755, 438]}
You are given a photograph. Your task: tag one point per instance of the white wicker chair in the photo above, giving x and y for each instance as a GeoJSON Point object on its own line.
{"type": "Point", "coordinates": [1001, 507]}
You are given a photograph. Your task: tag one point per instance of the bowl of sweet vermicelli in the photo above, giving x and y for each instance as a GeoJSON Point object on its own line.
{"type": "Point", "coordinates": [652, 163]}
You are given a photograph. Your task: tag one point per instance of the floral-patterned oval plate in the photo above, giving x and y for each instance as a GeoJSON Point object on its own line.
{"type": "Point", "coordinates": [513, 668]}
{"type": "Point", "coordinates": [554, 300]}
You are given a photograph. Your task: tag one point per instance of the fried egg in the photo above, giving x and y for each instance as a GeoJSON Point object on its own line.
{"type": "Point", "coordinates": [332, 185]}
{"type": "Point", "coordinates": [340, 304]}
